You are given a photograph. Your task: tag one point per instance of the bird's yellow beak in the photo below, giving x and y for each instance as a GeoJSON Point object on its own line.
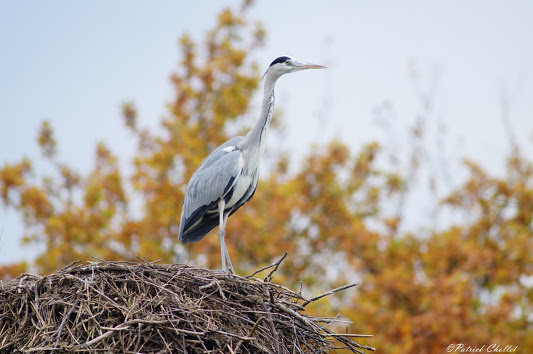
{"type": "Point", "coordinates": [310, 66]}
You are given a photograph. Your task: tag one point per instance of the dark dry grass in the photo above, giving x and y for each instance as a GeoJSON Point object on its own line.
{"type": "Point", "coordinates": [131, 307]}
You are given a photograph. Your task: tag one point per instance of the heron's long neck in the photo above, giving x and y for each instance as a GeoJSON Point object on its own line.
{"type": "Point", "coordinates": [254, 140]}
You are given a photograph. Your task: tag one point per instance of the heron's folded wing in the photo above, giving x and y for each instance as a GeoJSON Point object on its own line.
{"type": "Point", "coordinates": [216, 154]}
{"type": "Point", "coordinates": [209, 183]}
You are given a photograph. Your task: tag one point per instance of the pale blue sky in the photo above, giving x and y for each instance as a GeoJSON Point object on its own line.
{"type": "Point", "coordinates": [75, 62]}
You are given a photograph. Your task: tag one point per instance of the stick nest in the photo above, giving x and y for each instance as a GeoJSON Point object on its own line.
{"type": "Point", "coordinates": [144, 307]}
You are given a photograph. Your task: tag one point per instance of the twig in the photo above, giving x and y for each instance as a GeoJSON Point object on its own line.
{"type": "Point", "coordinates": [276, 264]}
{"type": "Point", "coordinates": [329, 293]}
{"type": "Point", "coordinates": [210, 285]}
{"type": "Point", "coordinates": [126, 325]}
{"type": "Point", "coordinates": [101, 337]}
{"type": "Point", "coordinates": [139, 335]}
{"type": "Point", "coordinates": [347, 335]}
{"type": "Point", "coordinates": [269, 276]}
{"type": "Point", "coordinates": [147, 262]}
{"type": "Point", "coordinates": [272, 328]}
{"type": "Point", "coordinates": [231, 335]}
{"type": "Point", "coordinates": [37, 303]}
{"type": "Point", "coordinates": [184, 343]}
{"type": "Point", "coordinates": [71, 265]}
{"type": "Point", "coordinates": [60, 329]}
{"type": "Point", "coordinates": [250, 334]}
{"type": "Point", "coordinates": [293, 313]}
{"type": "Point", "coordinates": [255, 326]}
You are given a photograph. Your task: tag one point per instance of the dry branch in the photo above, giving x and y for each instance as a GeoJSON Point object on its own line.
{"type": "Point", "coordinates": [145, 307]}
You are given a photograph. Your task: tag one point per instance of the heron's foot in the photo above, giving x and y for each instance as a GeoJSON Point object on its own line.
{"type": "Point", "coordinates": [230, 266]}
{"type": "Point", "coordinates": [230, 270]}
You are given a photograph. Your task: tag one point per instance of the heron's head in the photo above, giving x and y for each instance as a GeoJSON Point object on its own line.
{"type": "Point", "coordinates": [287, 64]}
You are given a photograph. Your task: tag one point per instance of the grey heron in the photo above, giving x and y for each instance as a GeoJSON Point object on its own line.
{"type": "Point", "coordinates": [227, 178]}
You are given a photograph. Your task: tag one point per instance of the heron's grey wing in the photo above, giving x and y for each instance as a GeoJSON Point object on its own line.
{"type": "Point", "coordinates": [215, 155]}
{"type": "Point", "coordinates": [210, 182]}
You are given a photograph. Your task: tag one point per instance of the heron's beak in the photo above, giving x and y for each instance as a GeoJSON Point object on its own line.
{"type": "Point", "coordinates": [303, 66]}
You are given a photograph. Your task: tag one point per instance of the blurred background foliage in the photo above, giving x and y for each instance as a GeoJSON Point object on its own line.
{"type": "Point", "coordinates": [338, 214]}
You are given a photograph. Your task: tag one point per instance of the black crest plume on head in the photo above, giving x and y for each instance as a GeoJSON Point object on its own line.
{"type": "Point", "coordinates": [280, 60]}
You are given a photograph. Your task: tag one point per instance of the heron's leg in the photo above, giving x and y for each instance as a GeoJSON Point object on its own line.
{"type": "Point", "coordinates": [222, 233]}
{"type": "Point", "coordinates": [230, 266]}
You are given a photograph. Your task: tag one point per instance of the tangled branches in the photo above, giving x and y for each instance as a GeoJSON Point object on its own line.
{"type": "Point", "coordinates": [144, 307]}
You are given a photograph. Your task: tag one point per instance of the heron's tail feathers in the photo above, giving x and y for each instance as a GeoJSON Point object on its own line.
{"type": "Point", "coordinates": [198, 230]}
